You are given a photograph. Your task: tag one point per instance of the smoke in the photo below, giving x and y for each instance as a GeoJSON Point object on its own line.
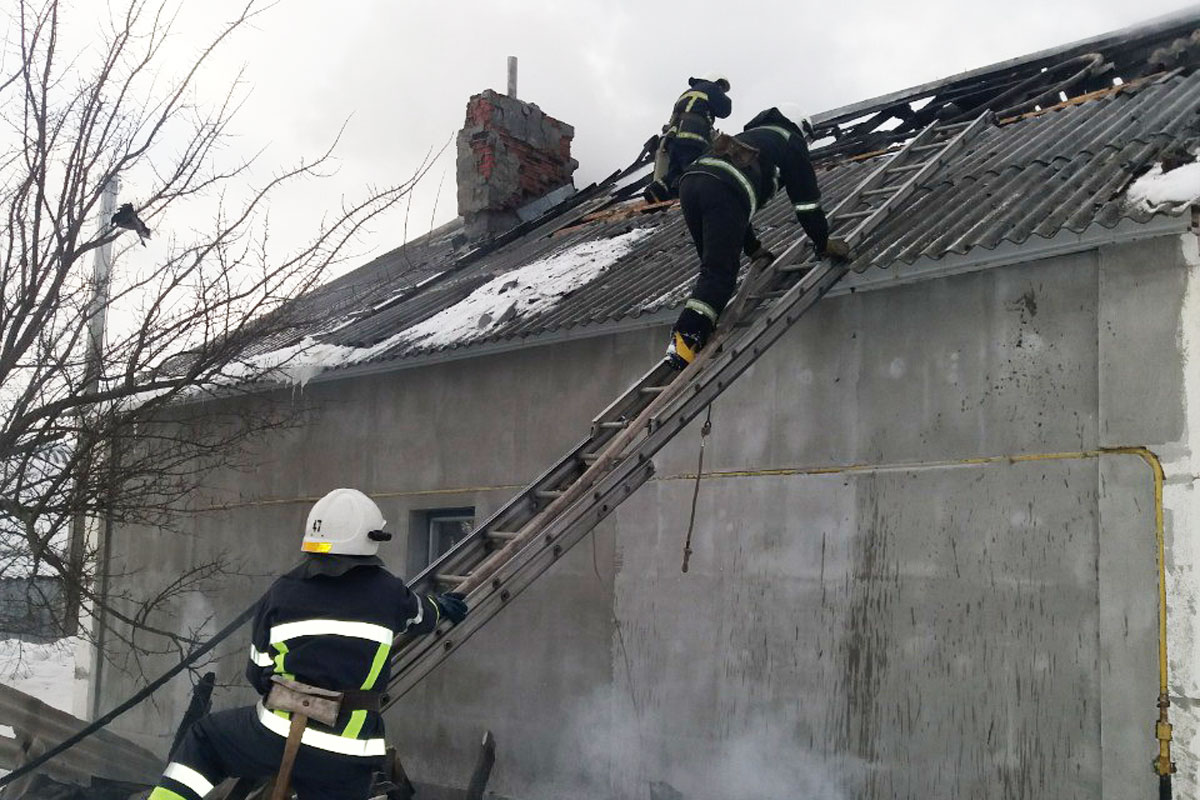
{"type": "Point", "coordinates": [628, 744]}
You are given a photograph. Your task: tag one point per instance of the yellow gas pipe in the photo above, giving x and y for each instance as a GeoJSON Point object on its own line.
{"type": "Point", "coordinates": [1164, 767]}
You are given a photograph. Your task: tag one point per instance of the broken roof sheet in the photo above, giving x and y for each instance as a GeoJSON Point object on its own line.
{"type": "Point", "coordinates": [1060, 169]}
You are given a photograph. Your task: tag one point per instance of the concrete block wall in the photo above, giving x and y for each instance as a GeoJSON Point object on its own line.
{"type": "Point", "coordinates": [882, 603]}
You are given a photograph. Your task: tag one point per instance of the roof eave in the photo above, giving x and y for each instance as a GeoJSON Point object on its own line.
{"type": "Point", "coordinates": [1007, 253]}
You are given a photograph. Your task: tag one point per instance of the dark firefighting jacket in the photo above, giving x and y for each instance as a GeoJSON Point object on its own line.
{"type": "Point", "coordinates": [781, 160]}
{"type": "Point", "coordinates": [695, 110]}
{"type": "Point", "coordinates": [330, 623]}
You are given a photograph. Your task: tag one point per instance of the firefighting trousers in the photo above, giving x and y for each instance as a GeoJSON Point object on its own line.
{"type": "Point", "coordinates": [717, 219]}
{"type": "Point", "coordinates": [681, 153]}
{"type": "Point", "coordinates": [234, 744]}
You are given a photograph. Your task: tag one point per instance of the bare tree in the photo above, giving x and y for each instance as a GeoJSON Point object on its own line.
{"type": "Point", "coordinates": [102, 429]}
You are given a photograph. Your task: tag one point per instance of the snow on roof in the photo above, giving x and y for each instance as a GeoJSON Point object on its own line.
{"type": "Point", "coordinates": [1165, 190]}
{"type": "Point", "coordinates": [523, 292]}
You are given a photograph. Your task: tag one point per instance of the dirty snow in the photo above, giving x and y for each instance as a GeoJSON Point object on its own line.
{"type": "Point", "coordinates": [299, 363]}
{"type": "Point", "coordinates": [523, 292]}
{"type": "Point", "coordinates": [46, 671]}
{"type": "Point", "coordinates": [1158, 190]}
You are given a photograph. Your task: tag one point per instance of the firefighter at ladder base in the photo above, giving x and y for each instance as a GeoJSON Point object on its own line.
{"type": "Point", "coordinates": [719, 194]}
{"type": "Point", "coordinates": [688, 133]}
{"type": "Point", "coordinates": [329, 623]}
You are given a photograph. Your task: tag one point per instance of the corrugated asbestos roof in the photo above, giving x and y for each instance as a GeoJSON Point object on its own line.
{"type": "Point", "coordinates": [1064, 169]}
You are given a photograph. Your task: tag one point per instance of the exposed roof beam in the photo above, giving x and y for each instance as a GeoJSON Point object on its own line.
{"type": "Point", "coordinates": [1179, 23]}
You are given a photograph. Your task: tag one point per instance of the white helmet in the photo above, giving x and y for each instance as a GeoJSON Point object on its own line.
{"type": "Point", "coordinates": [795, 113]}
{"type": "Point", "coordinates": [718, 78]}
{"type": "Point", "coordinates": [345, 522]}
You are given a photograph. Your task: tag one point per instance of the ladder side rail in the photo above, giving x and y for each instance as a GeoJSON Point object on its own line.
{"type": "Point", "coordinates": [910, 185]}
{"type": "Point", "coordinates": [590, 475]}
{"type": "Point", "coordinates": [518, 572]}
{"type": "Point", "coordinates": [632, 395]}
{"type": "Point", "coordinates": [875, 178]}
{"type": "Point", "coordinates": [742, 351]}
{"type": "Point", "coordinates": [567, 529]}
{"type": "Point", "coordinates": [756, 282]}
{"type": "Point", "coordinates": [861, 230]}
{"type": "Point", "coordinates": [674, 408]}
{"type": "Point", "coordinates": [879, 175]}
{"type": "Point", "coordinates": [498, 519]}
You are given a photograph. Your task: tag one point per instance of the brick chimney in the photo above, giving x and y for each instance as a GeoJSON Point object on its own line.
{"type": "Point", "coordinates": [511, 155]}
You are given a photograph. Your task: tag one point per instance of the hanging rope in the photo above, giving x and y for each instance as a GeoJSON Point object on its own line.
{"type": "Point", "coordinates": [705, 430]}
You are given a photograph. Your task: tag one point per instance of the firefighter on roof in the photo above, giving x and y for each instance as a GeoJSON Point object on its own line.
{"type": "Point", "coordinates": [688, 133]}
{"type": "Point", "coordinates": [719, 193]}
{"type": "Point", "coordinates": [326, 625]}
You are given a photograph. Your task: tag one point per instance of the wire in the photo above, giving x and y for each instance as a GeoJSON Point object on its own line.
{"type": "Point", "coordinates": [190, 659]}
{"type": "Point", "coordinates": [705, 430]}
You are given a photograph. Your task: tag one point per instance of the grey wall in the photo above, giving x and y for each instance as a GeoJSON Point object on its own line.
{"type": "Point", "coordinates": [870, 611]}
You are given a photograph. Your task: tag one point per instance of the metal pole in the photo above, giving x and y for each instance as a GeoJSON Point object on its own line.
{"type": "Point", "coordinates": [92, 368]}
{"type": "Point", "coordinates": [512, 77]}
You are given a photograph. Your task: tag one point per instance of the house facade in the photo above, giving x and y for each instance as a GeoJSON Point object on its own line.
{"type": "Point", "coordinates": [926, 536]}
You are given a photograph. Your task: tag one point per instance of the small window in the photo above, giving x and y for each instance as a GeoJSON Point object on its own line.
{"type": "Point", "coordinates": [432, 533]}
{"type": "Point", "coordinates": [447, 528]}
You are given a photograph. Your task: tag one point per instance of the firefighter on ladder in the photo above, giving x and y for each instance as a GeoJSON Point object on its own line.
{"type": "Point", "coordinates": [719, 194]}
{"type": "Point", "coordinates": [688, 133]}
{"type": "Point", "coordinates": [323, 630]}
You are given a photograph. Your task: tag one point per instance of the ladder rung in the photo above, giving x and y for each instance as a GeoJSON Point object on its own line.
{"type": "Point", "coordinates": [589, 458]}
{"type": "Point", "coordinates": [615, 424]}
{"type": "Point", "coordinates": [878, 192]}
{"type": "Point", "coordinates": [953, 126]}
{"type": "Point", "coordinates": [908, 167]}
{"type": "Point", "coordinates": [450, 580]}
{"type": "Point", "coordinates": [927, 148]}
{"type": "Point", "coordinates": [502, 535]}
{"type": "Point", "coordinates": [851, 214]}
{"type": "Point", "coordinates": [772, 295]}
{"type": "Point", "coordinates": [651, 389]}
{"type": "Point", "coordinates": [548, 494]}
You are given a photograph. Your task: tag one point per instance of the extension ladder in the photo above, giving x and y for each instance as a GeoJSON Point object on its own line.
{"type": "Point", "coordinates": [523, 539]}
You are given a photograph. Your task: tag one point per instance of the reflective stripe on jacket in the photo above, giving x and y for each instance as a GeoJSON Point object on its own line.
{"type": "Point", "coordinates": [331, 623]}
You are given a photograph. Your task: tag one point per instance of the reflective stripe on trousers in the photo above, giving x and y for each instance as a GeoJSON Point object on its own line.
{"type": "Point", "coordinates": [329, 742]}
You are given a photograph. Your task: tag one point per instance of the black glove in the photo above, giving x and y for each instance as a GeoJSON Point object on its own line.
{"type": "Point", "coordinates": [761, 252]}
{"type": "Point", "coordinates": [452, 606]}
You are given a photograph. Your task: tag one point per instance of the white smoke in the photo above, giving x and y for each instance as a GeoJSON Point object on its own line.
{"type": "Point", "coordinates": [626, 747]}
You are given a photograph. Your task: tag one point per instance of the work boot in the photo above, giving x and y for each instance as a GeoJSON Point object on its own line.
{"type": "Point", "coordinates": [682, 349]}
{"type": "Point", "coordinates": [837, 250]}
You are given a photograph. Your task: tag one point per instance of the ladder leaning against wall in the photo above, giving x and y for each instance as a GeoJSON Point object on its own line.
{"type": "Point", "coordinates": [508, 551]}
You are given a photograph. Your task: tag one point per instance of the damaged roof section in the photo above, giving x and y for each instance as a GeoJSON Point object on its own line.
{"type": "Point", "coordinates": [1069, 73]}
{"type": "Point", "coordinates": [1063, 168]}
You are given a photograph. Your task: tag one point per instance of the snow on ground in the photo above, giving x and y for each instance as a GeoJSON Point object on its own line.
{"type": "Point", "coordinates": [523, 292]}
{"type": "Point", "coordinates": [46, 671]}
{"type": "Point", "coordinates": [1157, 189]}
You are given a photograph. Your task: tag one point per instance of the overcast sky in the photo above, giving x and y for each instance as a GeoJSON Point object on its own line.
{"type": "Point", "coordinates": [400, 72]}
